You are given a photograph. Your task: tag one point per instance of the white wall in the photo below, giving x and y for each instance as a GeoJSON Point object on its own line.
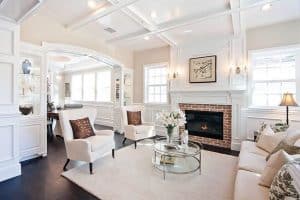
{"type": "Point", "coordinates": [275, 35]}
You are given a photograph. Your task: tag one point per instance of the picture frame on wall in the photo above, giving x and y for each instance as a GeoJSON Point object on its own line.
{"type": "Point", "coordinates": [203, 69]}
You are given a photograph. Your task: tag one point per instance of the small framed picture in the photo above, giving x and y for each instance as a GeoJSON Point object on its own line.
{"type": "Point", "coordinates": [203, 69]}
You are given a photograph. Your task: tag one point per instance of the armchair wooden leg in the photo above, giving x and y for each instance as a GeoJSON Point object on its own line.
{"type": "Point", "coordinates": [135, 144]}
{"type": "Point", "coordinates": [124, 141]}
{"type": "Point", "coordinates": [65, 166]}
{"type": "Point", "coordinates": [113, 153]}
{"type": "Point", "coordinates": [91, 168]}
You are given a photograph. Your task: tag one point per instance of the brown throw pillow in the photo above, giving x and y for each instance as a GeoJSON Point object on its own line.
{"type": "Point", "coordinates": [134, 118]}
{"type": "Point", "coordinates": [82, 128]}
{"type": "Point", "coordinates": [290, 149]}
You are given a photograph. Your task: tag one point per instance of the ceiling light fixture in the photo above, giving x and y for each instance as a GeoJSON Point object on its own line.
{"type": "Point", "coordinates": [187, 31]}
{"type": "Point", "coordinates": [92, 4]}
{"type": "Point", "coordinates": [266, 7]}
{"type": "Point", "coordinates": [153, 15]}
{"type": "Point", "coordinates": [146, 38]}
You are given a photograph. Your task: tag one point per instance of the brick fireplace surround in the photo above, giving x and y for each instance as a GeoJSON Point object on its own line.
{"type": "Point", "coordinates": [226, 109]}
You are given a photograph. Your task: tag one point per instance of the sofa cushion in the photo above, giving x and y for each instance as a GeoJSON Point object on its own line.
{"type": "Point", "coordinates": [297, 143]}
{"type": "Point", "coordinates": [276, 161]}
{"type": "Point", "coordinates": [290, 149]}
{"type": "Point", "coordinates": [251, 162]}
{"type": "Point", "coordinates": [250, 147]}
{"type": "Point", "coordinates": [269, 142]}
{"type": "Point", "coordinates": [98, 141]}
{"type": "Point", "coordinates": [247, 188]}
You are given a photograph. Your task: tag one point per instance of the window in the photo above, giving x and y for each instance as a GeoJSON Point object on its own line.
{"type": "Point", "coordinates": [76, 89]}
{"type": "Point", "coordinates": [89, 87]}
{"type": "Point", "coordinates": [156, 83]}
{"type": "Point", "coordinates": [104, 86]}
{"type": "Point", "coordinates": [274, 73]}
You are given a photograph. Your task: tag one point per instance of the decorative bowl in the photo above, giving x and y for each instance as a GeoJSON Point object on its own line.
{"type": "Point", "coordinates": [25, 109]}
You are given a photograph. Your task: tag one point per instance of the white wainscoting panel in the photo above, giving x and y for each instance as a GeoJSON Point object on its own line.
{"type": "Point", "coordinates": [6, 82]}
{"type": "Point", "coordinates": [254, 117]}
{"type": "Point", "coordinates": [6, 41]}
{"type": "Point", "coordinates": [9, 61]}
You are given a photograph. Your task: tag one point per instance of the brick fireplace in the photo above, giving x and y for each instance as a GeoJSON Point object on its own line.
{"type": "Point", "coordinates": [226, 113]}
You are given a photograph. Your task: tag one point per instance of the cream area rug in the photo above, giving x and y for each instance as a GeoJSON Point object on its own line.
{"type": "Point", "coordinates": [131, 176]}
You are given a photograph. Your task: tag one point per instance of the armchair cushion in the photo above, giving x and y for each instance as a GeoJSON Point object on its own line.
{"type": "Point", "coordinates": [82, 128]}
{"type": "Point", "coordinates": [134, 117]}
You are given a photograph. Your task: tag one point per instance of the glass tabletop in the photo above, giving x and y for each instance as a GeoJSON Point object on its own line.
{"type": "Point", "coordinates": [176, 148]}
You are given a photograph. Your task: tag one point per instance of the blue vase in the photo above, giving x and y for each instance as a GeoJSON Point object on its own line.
{"type": "Point", "coordinates": [26, 65]}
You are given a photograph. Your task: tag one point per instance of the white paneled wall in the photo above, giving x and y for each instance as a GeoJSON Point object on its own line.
{"type": "Point", "coordinates": [9, 115]}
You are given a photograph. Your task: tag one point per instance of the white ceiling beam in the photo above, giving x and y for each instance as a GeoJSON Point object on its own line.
{"type": "Point", "coordinates": [190, 21]}
{"type": "Point", "coordinates": [99, 13]}
{"type": "Point", "coordinates": [142, 21]}
{"type": "Point", "coordinates": [235, 17]}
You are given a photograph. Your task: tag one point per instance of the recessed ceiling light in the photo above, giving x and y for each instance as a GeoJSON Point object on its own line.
{"type": "Point", "coordinates": [153, 14]}
{"type": "Point", "coordinates": [146, 38]}
{"type": "Point", "coordinates": [92, 4]}
{"type": "Point", "coordinates": [266, 7]}
{"type": "Point", "coordinates": [187, 31]}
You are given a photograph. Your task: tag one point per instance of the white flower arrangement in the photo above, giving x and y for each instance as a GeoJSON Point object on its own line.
{"type": "Point", "coordinates": [171, 119]}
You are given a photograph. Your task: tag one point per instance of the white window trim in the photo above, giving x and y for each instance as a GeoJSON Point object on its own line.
{"type": "Point", "coordinates": [250, 75]}
{"type": "Point", "coordinates": [145, 93]}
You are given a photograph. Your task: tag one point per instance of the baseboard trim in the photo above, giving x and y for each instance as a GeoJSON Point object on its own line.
{"type": "Point", "coordinates": [10, 171]}
{"type": "Point", "coordinates": [236, 146]}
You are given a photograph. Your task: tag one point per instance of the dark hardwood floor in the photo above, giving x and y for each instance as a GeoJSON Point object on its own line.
{"type": "Point", "coordinates": [41, 176]}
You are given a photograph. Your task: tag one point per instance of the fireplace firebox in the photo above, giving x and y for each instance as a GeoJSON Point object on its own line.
{"type": "Point", "coordinates": [205, 123]}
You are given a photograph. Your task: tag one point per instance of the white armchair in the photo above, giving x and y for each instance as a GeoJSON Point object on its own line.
{"type": "Point", "coordinates": [136, 132]}
{"type": "Point", "coordinates": [88, 149]}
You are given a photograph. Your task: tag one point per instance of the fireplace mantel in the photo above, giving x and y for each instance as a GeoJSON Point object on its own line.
{"type": "Point", "coordinates": [235, 98]}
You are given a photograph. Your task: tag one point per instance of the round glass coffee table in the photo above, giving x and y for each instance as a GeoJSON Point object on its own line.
{"type": "Point", "coordinates": [177, 158]}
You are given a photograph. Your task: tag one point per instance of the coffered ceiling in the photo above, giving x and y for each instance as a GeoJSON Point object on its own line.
{"type": "Point", "coordinates": [142, 24]}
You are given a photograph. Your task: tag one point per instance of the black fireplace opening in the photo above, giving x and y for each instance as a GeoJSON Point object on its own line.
{"type": "Point", "coordinates": [204, 123]}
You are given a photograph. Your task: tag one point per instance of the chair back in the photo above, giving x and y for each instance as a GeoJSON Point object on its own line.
{"type": "Point", "coordinates": [66, 115]}
{"type": "Point", "coordinates": [132, 108]}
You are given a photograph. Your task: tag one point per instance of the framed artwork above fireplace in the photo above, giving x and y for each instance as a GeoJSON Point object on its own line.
{"type": "Point", "coordinates": [203, 69]}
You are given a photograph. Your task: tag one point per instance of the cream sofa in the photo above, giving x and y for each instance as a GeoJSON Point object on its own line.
{"type": "Point", "coordinates": [252, 161]}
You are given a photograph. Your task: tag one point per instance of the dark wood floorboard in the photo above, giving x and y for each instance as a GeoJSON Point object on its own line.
{"type": "Point", "coordinates": [41, 176]}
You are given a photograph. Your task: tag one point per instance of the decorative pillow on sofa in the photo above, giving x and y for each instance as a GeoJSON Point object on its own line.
{"type": "Point", "coordinates": [134, 118]}
{"type": "Point", "coordinates": [82, 128]}
{"type": "Point", "coordinates": [292, 137]}
{"type": "Point", "coordinates": [297, 143]}
{"type": "Point", "coordinates": [283, 145]}
{"type": "Point", "coordinates": [269, 142]}
{"type": "Point", "coordinates": [274, 164]}
{"type": "Point", "coordinates": [283, 183]}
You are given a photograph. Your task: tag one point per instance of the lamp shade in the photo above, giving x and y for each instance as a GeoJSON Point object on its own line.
{"type": "Point", "coordinates": [288, 100]}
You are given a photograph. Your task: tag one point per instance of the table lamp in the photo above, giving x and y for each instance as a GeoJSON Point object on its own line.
{"type": "Point", "coordinates": [288, 100]}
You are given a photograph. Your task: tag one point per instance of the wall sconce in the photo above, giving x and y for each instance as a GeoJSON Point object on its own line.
{"type": "Point", "coordinates": [175, 75]}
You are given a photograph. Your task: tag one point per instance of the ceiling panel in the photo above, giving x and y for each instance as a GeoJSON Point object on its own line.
{"type": "Point", "coordinates": [141, 44]}
{"type": "Point", "coordinates": [69, 11]}
{"type": "Point", "coordinates": [163, 11]}
{"type": "Point", "coordinates": [215, 28]}
{"type": "Point", "coordinates": [280, 11]}
{"type": "Point", "coordinates": [16, 9]}
{"type": "Point", "coordinates": [117, 21]}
